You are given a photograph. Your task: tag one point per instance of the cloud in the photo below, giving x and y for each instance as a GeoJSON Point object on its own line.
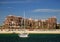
{"type": "Point", "coordinates": [46, 10]}
{"type": "Point", "coordinates": [9, 7]}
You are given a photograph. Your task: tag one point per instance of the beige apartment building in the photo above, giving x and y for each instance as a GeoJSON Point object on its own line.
{"type": "Point", "coordinates": [17, 22]}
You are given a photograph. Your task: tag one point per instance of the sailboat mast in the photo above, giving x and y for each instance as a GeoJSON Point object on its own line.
{"type": "Point", "coordinates": [24, 20]}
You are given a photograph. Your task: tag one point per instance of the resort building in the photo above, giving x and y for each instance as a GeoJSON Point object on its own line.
{"type": "Point", "coordinates": [12, 22]}
{"type": "Point", "coordinates": [17, 22]}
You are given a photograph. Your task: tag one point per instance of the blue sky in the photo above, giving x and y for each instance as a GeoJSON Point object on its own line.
{"type": "Point", "coordinates": [36, 9]}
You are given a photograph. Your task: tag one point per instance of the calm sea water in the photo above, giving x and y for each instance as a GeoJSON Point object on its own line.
{"type": "Point", "coordinates": [31, 38]}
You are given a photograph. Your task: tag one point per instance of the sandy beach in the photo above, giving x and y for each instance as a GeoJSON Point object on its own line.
{"type": "Point", "coordinates": [32, 32]}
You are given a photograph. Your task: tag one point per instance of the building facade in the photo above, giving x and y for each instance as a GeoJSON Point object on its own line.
{"type": "Point", "coordinates": [15, 22]}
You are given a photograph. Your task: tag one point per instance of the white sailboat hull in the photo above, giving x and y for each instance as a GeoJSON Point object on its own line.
{"type": "Point", "coordinates": [23, 35]}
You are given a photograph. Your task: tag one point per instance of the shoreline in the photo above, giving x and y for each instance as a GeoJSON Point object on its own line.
{"type": "Point", "coordinates": [32, 32]}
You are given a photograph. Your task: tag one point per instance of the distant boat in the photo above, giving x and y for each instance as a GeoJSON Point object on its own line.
{"type": "Point", "coordinates": [23, 35]}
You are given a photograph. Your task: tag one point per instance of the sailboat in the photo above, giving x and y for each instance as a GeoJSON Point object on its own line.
{"type": "Point", "coordinates": [24, 34]}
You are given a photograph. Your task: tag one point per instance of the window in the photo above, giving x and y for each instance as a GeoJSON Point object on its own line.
{"type": "Point", "coordinates": [10, 24]}
{"type": "Point", "coordinates": [11, 19]}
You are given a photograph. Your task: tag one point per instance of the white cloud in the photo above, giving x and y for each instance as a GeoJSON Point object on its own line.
{"type": "Point", "coordinates": [9, 7]}
{"type": "Point", "coordinates": [46, 10]}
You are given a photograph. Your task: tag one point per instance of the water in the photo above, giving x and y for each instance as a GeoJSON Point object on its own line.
{"type": "Point", "coordinates": [31, 38]}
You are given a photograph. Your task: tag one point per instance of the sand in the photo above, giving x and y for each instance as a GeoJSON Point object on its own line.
{"type": "Point", "coordinates": [32, 32]}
